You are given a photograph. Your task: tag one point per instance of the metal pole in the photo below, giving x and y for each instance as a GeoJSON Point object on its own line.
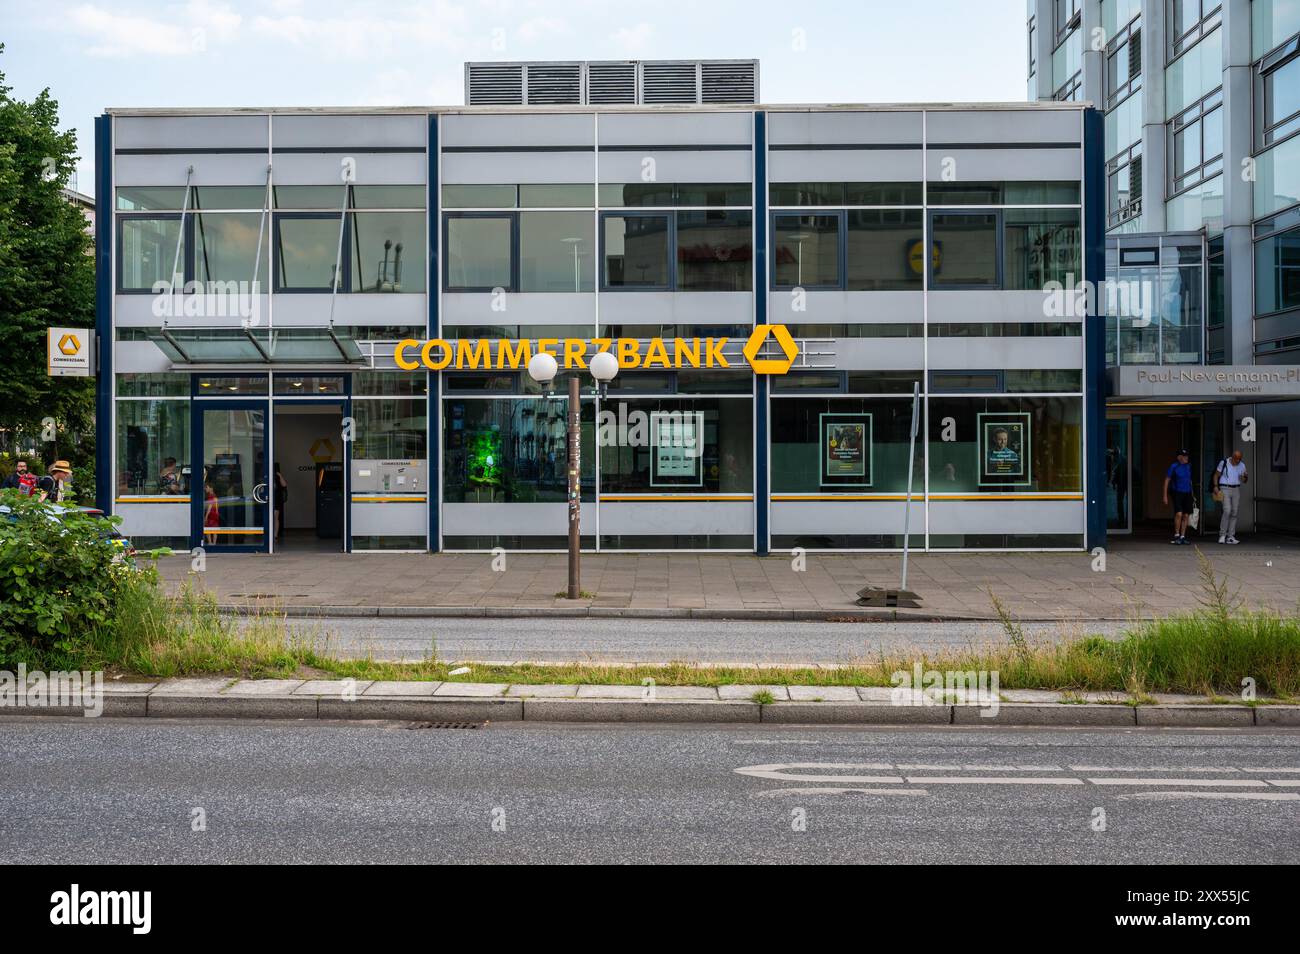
{"type": "Point", "coordinates": [911, 462]}
{"type": "Point", "coordinates": [575, 487]}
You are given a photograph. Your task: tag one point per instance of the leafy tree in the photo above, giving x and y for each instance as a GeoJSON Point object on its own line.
{"type": "Point", "coordinates": [47, 278]}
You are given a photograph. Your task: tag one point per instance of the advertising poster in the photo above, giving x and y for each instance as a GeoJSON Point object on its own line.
{"type": "Point", "coordinates": [1004, 448]}
{"type": "Point", "coordinates": [676, 446]}
{"type": "Point", "coordinates": [846, 450]}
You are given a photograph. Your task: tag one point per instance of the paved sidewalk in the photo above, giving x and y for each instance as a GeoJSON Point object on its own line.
{"type": "Point", "coordinates": [1140, 579]}
{"type": "Point", "coordinates": [481, 702]}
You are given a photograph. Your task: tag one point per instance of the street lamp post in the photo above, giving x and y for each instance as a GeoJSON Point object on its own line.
{"type": "Point", "coordinates": [542, 368]}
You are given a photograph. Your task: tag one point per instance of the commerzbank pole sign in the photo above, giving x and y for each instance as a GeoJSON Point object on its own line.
{"type": "Point", "coordinates": [465, 354]}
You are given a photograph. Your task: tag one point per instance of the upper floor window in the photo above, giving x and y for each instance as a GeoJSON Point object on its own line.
{"type": "Point", "coordinates": [1124, 64]}
{"type": "Point", "coordinates": [1271, 23]}
{"type": "Point", "coordinates": [519, 251]}
{"type": "Point", "coordinates": [1189, 20]}
{"type": "Point", "coordinates": [685, 250]}
{"type": "Point", "coordinates": [1277, 93]}
{"type": "Point", "coordinates": [1196, 143]}
{"type": "Point", "coordinates": [853, 249]}
{"type": "Point", "coordinates": [1066, 16]}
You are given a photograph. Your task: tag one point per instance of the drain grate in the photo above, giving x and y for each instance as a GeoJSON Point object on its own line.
{"type": "Point", "coordinates": [880, 596]}
{"type": "Point", "coordinates": [445, 725]}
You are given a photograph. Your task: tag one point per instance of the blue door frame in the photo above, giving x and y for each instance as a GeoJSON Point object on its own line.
{"type": "Point", "coordinates": [214, 540]}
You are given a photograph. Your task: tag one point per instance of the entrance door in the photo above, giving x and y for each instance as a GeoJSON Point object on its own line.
{"type": "Point", "coordinates": [230, 509]}
{"type": "Point", "coordinates": [310, 475]}
{"type": "Point", "coordinates": [1119, 461]}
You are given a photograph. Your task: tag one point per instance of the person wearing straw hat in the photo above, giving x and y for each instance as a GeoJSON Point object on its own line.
{"type": "Point", "coordinates": [54, 485]}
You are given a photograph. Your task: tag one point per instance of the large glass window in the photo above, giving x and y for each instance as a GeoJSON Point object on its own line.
{"type": "Point", "coordinates": [882, 249]}
{"type": "Point", "coordinates": [226, 247]}
{"type": "Point", "coordinates": [714, 251]}
{"type": "Point", "coordinates": [677, 446]}
{"type": "Point", "coordinates": [306, 250]}
{"type": "Point", "coordinates": [1005, 445]}
{"type": "Point", "coordinates": [387, 251]}
{"type": "Point", "coordinates": [1196, 143]}
{"type": "Point", "coordinates": [512, 450]}
{"type": "Point", "coordinates": [1124, 64]}
{"type": "Point", "coordinates": [845, 445]}
{"type": "Point", "coordinates": [1271, 22]}
{"type": "Point", "coordinates": [390, 429]}
{"type": "Point", "coordinates": [806, 251]}
{"type": "Point", "coordinates": [147, 251]}
{"type": "Point", "coordinates": [1189, 20]}
{"type": "Point", "coordinates": [1124, 186]}
{"type": "Point", "coordinates": [153, 447]}
{"type": "Point", "coordinates": [478, 249]}
{"type": "Point", "coordinates": [556, 252]}
{"type": "Point", "coordinates": [635, 249]}
{"type": "Point", "coordinates": [1277, 272]}
{"type": "Point", "coordinates": [1279, 100]}
{"type": "Point", "coordinates": [1041, 246]}
{"type": "Point", "coordinates": [965, 250]}
{"type": "Point", "coordinates": [1194, 74]}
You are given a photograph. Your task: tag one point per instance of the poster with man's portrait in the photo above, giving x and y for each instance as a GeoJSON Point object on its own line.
{"type": "Point", "coordinates": [846, 450]}
{"type": "Point", "coordinates": [1004, 448]}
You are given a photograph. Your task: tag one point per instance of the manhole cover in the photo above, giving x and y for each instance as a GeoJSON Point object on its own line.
{"type": "Point", "coordinates": [880, 596]}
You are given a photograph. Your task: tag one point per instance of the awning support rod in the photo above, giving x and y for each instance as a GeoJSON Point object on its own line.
{"type": "Point", "coordinates": [171, 340]}
{"type": "Point", "coordinates": [180, 233]}
{"type": "Point", "coordinates": [261, 227]}
{"type": "Point", "coordinates": [248, 333]}
{"type": "Point", "coordinates": [338, 344]}
{"type": "Point", "coordinates": [338, 258]}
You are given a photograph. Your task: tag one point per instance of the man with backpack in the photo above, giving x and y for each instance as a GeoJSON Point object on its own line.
{"type": "Point", "coordinates": [1228, 479]}
{"type": "Point", "coordinates": [21, 480]}
{"type": "Point", "coordinates": [54, 487]}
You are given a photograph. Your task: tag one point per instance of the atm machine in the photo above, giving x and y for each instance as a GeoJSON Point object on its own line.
{"type": "Point", "coordinates": [329, 500]}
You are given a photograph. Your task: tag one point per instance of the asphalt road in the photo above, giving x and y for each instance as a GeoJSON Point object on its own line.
{"type": "Point", "coordinates": [121, 791]}
{"type": "Point", "coordinates": [654, 640]}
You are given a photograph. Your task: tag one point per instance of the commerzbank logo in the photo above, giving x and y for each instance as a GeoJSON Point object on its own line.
{"type": "Point", "coordinates": [69, 345]}
{"type": "Point", "coordinates": [769, 350]}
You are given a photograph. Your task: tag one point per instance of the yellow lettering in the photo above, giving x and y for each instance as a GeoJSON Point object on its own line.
{"type": "Point", "coordinates": [629, 355]}
{"type": "Point", "coordinates": [473, 356]}
{"type": "Point", "coordinates": [602, 344]}
{"type": "Point", "coordinates": [656, 353]}
{"type": "Point", "coordinates": [713, 353]}
{"type": "Point", "coordinates": [426, 354]}
{"type": "Point", "coordinates": [547, 346]}
{"type": "Point", "coordinates": [400, 358]}
{"type": "Point", "coordinates": [690, 352]}
{"type": "Point", "coordinates": [515, 356]}
{"type": "Point", "coordinates": [574, 349]}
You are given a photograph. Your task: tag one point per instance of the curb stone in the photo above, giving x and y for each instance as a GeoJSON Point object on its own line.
{"type": "Point", "coordinates": [1200, 715]}
{"type": "Point", "coordinates": [1045, 713]}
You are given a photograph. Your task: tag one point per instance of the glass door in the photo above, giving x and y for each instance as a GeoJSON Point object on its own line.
{"type": "Point", "coordinates": [1119, 457]}
{"type": "Point", "coordinates": [230, 509]}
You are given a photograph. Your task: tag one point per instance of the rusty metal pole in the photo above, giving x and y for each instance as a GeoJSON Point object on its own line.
{"type": "Point", "coordinates": [575, 487]}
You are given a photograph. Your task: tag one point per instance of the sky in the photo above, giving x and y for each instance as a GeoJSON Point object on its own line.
{"type": "Point", "coordinates": [98, 54]}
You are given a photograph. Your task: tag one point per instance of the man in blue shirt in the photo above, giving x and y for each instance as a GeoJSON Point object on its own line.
{"type": "Point", "coordinates": [1178, 480]}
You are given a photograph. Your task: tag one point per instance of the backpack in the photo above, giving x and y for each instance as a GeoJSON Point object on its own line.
{"type": "Point", "coordinates": [27, 484]}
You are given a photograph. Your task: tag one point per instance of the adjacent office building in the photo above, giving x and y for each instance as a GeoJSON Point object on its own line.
{"type": "Point", "coordinates": [1202, 116]}
{"type": "Point", "coordinates": [311, 320]}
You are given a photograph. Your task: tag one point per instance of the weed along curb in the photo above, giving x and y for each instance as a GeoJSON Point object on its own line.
{"type": "Point", "coordinates": [470, 702]}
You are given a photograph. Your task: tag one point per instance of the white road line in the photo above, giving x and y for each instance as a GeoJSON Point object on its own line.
{"type": "Point", "coordinates": [1284, 782]}
{"type": "Point", "coordinates": [1149, 768]}
{"type": "Point", "coordinates": [1274, 770]}
{"type": "Point", "coordinates": [781, 771]}
{"type": "Point", "coordinates": [842, 791]}
{"type": "Point", "coordinates": [1217, 782]}
{"type": "Point", "coordinates": [989, 780]}
{"type": "Point", "coordinates": [1256, 796]}
{"type": "Point", "coordinates": [914, 767]}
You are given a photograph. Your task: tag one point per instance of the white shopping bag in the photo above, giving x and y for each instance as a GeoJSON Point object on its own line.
{"type": "Point", "coordinates": [1194, 518]}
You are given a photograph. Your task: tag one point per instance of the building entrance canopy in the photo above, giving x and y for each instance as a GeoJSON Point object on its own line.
{"type": "Point", "coordinates": [242, 346]}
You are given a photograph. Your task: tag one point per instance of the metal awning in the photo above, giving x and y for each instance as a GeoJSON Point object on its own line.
{"type": "Point", "coordinates": [267, 346]}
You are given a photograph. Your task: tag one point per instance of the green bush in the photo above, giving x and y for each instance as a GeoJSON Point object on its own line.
{"type": "Point", "coordinates": [61, 578]}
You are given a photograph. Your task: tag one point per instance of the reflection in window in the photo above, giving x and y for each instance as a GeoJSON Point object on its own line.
{"type": "Point", "coordinates": [678, 446]}
{"type": "Point", "coordinates": [225, 247]}
{"type": "Point", "coordinates": [390, 429]}
{"type": "Point", "coordinates": [1041, 246]}
{"type": "Point", "coordinates": [305, 252]}
{"type": "Point", "coordinates": [714, 251]}
{"type": "Point", "coordinates": [1277, 272]}
{"type": "Point", "coordinates": [512, 450]}
{"type": "Point", "coordinates": [387, 251]}
{"type": "Point", "coordinates": [1040, 448]}
{"type": "Point", "coordinates": [635, 249]}
{"type": "Point", "coordinates": [478, 253]}
{"type": "Point", "coordinates": [804, 459]}
{"type": "Point", "coordinates": [556, 252]}
{"type": "Point", "coordinates": [148, 251]}
{"type": "Point", "coordinates": [807, 251]}
{"type": "Point", "coordinates": [153, 447]}
{"type": "Point", "coordinates": [883, 249]}
{"type": "Point", "coordinates": [966, 249]}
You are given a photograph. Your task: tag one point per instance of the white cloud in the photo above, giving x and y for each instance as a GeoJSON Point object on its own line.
{"type": "Point", "coordinates": [187, 30]}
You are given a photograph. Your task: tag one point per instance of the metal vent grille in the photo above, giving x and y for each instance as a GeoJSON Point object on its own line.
{"type": "Point", "coordinates": [669, 83]}
{"type": "Point", "coordinates": [729, 82]}
{"type": "Point", "coordinates": [494, 84]}
{"type": "Point", "coordinates": [611, 83]}
{"type": "Point", "coordinates": [558, 85]}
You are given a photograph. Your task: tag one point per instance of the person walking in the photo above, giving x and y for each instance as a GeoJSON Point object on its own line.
{"type": "Point", "coordinates": [1229, 477]}
{"type": "Point", "coordinates": [1178, 481]}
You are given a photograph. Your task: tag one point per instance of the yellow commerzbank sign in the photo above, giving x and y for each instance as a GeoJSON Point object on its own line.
{"type": "Point", "coordinates": [438, 354]}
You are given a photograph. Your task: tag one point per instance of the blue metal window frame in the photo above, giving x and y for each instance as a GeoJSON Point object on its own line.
{"type": "Point", "coordinates": [671, 250]}
{"type": "Point", "coordinates": [197, 496]}
{"type": "Point", "coordinates": [104, 282]}
{"type": "Point", "coordinates": [187, 246]}
{"type": "Point", "coordinates": [1000, 241]}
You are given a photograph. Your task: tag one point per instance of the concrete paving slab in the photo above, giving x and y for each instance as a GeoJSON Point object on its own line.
{"type": "Point", "coordinates": [399, 688]}
{"type": "Point", "coordinates": [746, 693]}
{"type": "Point", "coordinates": [332, 687]}
{"type": "Point", "coordinates": [192, 686]}
{"type": "Point", "coordinates": [823, 694]}
{"type": "Point", "coordinates": [551, 691]}
{"type": "Point", "coordinates": [264, 687]}
{"type": "Point", "coordinates": [472, 689]}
